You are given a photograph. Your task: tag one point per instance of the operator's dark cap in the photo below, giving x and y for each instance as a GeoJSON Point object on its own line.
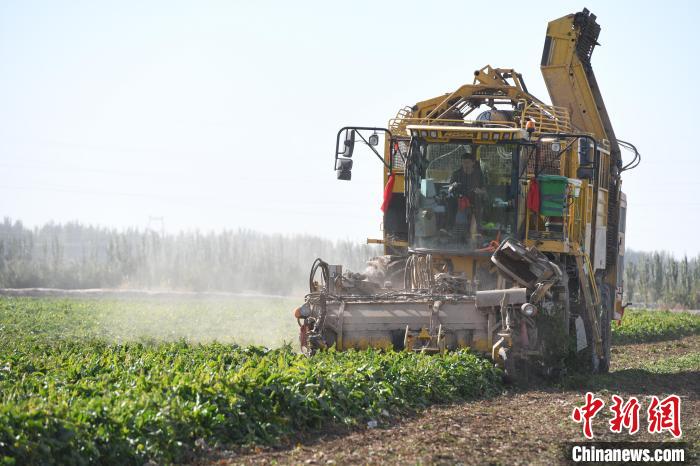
{"type": "Point", "coordinates": [466, 156]}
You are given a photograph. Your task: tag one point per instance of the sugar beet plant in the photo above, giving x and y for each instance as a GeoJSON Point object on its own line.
{"type": "Point", "coordinates": [639, 326]}
{"type": "Point", "coordinates": [81, 400]}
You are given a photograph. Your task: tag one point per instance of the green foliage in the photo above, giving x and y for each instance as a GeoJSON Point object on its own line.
{"type": "Point", "coordinates": [251, 320]}
{"type": "Point", "coordinates": [67, 397]}
{"type": "Point", "coordinates": [639, 326]}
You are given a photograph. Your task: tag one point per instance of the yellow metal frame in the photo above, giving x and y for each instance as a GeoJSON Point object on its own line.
{"type": "Point", "coordinates": [566, 78]}
{"type": "Point", "coordinates": [489, 84]}
{"type": "Point", "coordinates": [574, 110]}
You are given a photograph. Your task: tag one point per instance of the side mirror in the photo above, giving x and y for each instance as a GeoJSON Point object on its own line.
{"type": "Point", "coordinates": [343, 169]}
{"type": "Point", "coordinates": [556, 146]}
{"type": "Point", "coordinates": [349, 143]}
{"type": "Point", "coordinates": [374, 140]}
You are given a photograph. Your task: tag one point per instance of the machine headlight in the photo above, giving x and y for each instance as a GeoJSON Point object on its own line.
{"type": "Point", "coordinates": [528, 309]}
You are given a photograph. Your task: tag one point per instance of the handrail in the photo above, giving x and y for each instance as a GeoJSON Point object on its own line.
{"type": "Point", "coordinates": [547, 118]}
{"type": "Point", "coordinates": [398, 126]}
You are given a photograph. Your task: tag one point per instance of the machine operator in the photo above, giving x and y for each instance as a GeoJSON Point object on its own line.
{"type": "Point", "coordinates": [466, 189]}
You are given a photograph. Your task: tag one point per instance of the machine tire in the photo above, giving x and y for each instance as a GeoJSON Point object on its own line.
{"type": "Point", "coordinates": [586, 360]}
{"type": "Point", "coordinates": [606, 330]}
{"type": "Point", "coordinates": [510, 374]}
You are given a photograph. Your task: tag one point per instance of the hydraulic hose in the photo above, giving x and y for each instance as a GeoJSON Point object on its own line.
{"type": "Point", "coordinates": [325, 274]}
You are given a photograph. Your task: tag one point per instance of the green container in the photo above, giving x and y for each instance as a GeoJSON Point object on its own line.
{"type": "Point", "coordinates": [552, 195]}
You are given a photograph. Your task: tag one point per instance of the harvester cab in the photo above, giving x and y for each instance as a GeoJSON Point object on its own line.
{"type": "Point", "coordinates": [503, 221]}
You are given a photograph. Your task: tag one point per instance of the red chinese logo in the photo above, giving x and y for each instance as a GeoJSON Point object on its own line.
{"type": "Point", "coordinates": [625, 415]}
{"type": "Point", "coordinates": [586, 413]}
{"type": "Point", "coordinates": [665, 415]}
{"type": "Point", "coordinates": [662, 415]}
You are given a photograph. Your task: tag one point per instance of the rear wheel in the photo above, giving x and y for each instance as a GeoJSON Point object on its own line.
{"type": "Point", "coordinates": [510, 375]}
{"type": "Point", "coordinates": [605, 327]}
{"type": "Point", "coordinates": [588, 357]}
{"type": "Point", "coordinates": [587, 360]}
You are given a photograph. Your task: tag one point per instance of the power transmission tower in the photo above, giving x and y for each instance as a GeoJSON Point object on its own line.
{"type": "Point", "coordinates": [157, 221]}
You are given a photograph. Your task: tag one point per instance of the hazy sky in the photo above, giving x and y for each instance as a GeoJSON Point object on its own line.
{"type": "Point", "coordinates": [223, 114]}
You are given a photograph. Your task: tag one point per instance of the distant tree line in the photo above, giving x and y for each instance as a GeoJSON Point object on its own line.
{"type": "Point", "coordinates": [657, 278]}
{"type": "Point", "coordinates": [77, 256]}
{"type": "Point", "coordinates": [73, 255]}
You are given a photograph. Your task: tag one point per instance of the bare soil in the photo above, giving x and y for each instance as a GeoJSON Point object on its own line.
{"type": "Point", "coordinates": [525, 425]}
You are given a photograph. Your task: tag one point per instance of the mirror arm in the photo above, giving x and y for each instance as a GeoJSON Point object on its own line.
{"type": "Point", "coordinates": [357, 131]}
{"type": "Point", "coordinates": [374, 150]}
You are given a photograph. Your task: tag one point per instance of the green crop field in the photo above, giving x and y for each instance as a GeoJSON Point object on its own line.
{"type": "Point", "coordinates": [127, 381]}
{"type": "Point", "coordinates": [639, 326]}
{"type": "Point", "coordinates": [84, 381]}
{"type": "Point", "coordinates": [259, 321]}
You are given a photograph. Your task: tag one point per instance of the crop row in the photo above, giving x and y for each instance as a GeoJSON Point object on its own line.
{"type": "Point", "coordinates": [84, 401]}
{"type": "Point", "coordinates": [639, 326]}
{"type": "Point", "coordinates": [67, 397]}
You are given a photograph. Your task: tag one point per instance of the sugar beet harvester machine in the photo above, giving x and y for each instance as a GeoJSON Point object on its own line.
{"type": "Point", "coordinates": [503, 232]}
